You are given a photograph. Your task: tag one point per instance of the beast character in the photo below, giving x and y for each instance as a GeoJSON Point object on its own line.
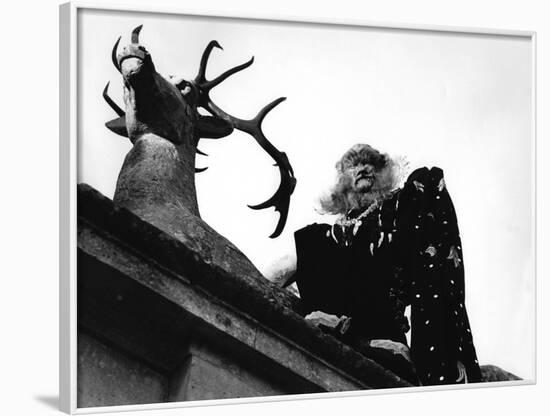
{"type": "Point", "coordinates": [389, 248]}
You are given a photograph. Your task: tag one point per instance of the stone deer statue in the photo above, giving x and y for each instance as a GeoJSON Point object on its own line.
{"type": "Point", "coordinates": [162, 121]}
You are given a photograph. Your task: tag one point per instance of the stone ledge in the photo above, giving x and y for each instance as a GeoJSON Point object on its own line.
{"type": "Point", "coordinates": [158, 318]}
{"type": "Point", "coordinates": [106, 231]}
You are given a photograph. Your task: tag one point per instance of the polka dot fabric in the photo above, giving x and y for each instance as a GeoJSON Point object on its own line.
{"type": "Point", "coordinates": [429, 275]}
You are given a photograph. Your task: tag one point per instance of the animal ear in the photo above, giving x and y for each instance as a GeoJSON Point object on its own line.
{"type": "Point", "coordinates": [118, 126]}
{"type": "Point", "coordinates": [209, 127]}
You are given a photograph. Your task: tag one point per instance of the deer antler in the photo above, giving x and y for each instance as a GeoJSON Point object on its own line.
{"type": "Point", "coordinates": [113, 54]}
{"type": "Point", "coordinates": [281, 199]}
{"type": "Point", "coordinates": [112, 104]}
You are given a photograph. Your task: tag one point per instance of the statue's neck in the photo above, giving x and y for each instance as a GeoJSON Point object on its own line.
{"type": "Point", "coordinates": [157, 183]}
{"type": "Point", "coordinates": [157, 173]}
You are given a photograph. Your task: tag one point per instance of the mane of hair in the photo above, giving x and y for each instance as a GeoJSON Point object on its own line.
{"type": "Point", "coordinates": [341, 198]}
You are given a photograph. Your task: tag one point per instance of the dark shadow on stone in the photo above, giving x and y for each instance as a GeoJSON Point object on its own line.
{"type": "Point", "coordinates": [50, 401]}
{"type": "Point", "coordinates": [493, 373]}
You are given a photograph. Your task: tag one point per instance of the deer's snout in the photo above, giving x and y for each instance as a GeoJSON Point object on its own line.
{"type": "Point", "coordinates": [131, 67]}
{"type": "Point", "coordinates": [133, 62]}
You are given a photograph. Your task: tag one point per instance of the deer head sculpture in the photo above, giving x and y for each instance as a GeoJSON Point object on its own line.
{"type": "Point", "coordinates": [167, 108]}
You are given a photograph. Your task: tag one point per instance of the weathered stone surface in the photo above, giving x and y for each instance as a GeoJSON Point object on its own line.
{"type": "Point", "coordinates": [207, 374]}
{"type": "Point", "coordinates": [166, 269]}
{"type": "Point", "coordinates": [494, 373]}
{"type": "Point", "coordinates": [157, 172]}
{"type": "Point", "coordinates": [173, 254]}
{"type": "Point", "coordinates": [157, 183]}
{"type": "Point", "coordinates": [161, 321]}
{"type": "Point", "coordinates": [107, 376]}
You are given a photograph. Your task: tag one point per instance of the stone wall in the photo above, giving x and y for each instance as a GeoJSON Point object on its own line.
{"type": "Point", "coordinates": [157, 323]}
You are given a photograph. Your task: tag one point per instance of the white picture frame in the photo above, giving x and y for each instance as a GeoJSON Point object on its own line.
{"type": "Point", "coordinates": [68, 174]}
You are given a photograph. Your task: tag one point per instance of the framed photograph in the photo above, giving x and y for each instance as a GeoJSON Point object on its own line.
{"type": "Point", "coordinates": [259, 208]}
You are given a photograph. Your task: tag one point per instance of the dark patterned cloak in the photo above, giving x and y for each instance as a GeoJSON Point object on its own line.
{"type": "Point", "coordinates": [406, 251]}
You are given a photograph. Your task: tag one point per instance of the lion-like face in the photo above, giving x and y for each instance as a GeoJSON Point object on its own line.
{"type": "Point", "coordinates": [361, 175]}
{"type": "Point", "coordinates": [361, 167]}
{"type": "Point", "coordinates": [365, 175]}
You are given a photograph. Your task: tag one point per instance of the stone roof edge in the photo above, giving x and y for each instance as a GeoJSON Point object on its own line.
{"type": "Point", "coordinates": [274, 307]}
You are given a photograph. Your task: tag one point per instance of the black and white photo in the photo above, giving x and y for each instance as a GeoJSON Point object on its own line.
{"type": "Point", "coordinates": [390, 244]}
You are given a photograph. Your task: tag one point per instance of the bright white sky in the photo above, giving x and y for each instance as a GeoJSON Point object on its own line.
{"type": "Point", "coordinates": [460, 102]}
